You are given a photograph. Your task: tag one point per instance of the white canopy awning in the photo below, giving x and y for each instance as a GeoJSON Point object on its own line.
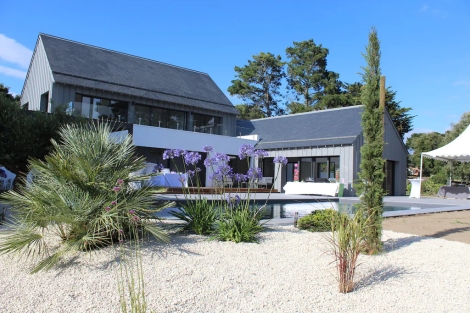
{"type": "Point", "coordinates": [457, 150]}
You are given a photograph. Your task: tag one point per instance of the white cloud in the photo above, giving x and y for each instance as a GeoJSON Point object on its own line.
{"type": "Point", "coordinates": [12, 72]}
{"type": "Point", "coordinates": [14, 52]}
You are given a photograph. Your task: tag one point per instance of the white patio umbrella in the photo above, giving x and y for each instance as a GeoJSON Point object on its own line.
{"type": "Point", "coordinates": [457, 150]}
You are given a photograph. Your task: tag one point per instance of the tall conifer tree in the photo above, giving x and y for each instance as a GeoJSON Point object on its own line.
{"type": "Point", "coordinates": [372, 162]}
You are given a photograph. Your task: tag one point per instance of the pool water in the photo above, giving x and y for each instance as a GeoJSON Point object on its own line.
{"type": "Point", "coordinates": [287, 210]}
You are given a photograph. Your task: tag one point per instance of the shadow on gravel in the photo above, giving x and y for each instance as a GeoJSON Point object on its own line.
{"type": "Point", "coordinates": [395, 244]}
{"type": "Point", "coordinates": [380, 275]}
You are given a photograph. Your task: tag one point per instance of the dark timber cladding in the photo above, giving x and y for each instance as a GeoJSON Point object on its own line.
{"type": "Point", "coordinates": [79, 64]}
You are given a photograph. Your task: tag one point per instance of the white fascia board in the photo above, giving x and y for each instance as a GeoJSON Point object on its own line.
{"type": "Point", "coordinates": [166, 138]}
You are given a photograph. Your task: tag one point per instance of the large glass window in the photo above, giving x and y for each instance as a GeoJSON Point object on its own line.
{"type": "Point", "coordinates": [207, 124]}
{"type": "Point", "coordinates": [97, 108]}
{"type": "Point", "coordinates": [158, 117]}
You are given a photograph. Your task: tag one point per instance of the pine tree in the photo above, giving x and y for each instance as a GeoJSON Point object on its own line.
{"type": "Point", "coordinates": [372, 162]}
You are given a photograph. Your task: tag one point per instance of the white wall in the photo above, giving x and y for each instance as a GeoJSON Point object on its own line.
{"type": "Point", "coordinates": [156, 137]}
{"type": "Point", "coordinates": [39, 79]}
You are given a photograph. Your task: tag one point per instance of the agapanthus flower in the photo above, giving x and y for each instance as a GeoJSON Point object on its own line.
{"type": "Point", "coordinates": [191, 158]}
{"type": "Point", "coordinates": [182, 179]}
{"type": "Point", "coordinates": [207, 148]}
{"type": "Point", "coordinates": [210, 162]}
{"type": "Point", "coordinates": [168, 154]}
{"type": "Point", "coordinates": [158, 168]}
{"type": "Point", "coordinates": [261, 153]}
{"type": "Point", "coordinates": [254, 173]}
{"type": "Point", "coordinates": [233, 201]}
{"type": "Point", "coordinates": [239, 177]}
{"type": "Point", "coordinates": [190, 173]}
{"type": "Point", "coordinates": [246, 151]}
{"type": "Point", "coordinates": [179, 152]}
{"type": "Point", "coordinates": [221, 157]}
{"type": "Point", "coordinates": [225, 170]}
{"type": "Point", "coordinates": [281, 160]}
{"type": "Point", "coordinates": [217, 176]}
{"type": "Point", "coordinates": [197, 169]}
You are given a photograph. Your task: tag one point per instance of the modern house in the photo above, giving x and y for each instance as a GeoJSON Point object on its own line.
{"type": "Point", "coordinates": [168, 107]}
{"type": "Point", "coordinates": [164, 106]}
{"type": "Point", "coordinates": [325, 144]}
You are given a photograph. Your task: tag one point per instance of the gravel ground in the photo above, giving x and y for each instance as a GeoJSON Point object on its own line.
{"type": "Point", "coordinates": [288, 271]}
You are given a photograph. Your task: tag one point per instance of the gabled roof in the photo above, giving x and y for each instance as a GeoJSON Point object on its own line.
{"type": "Point", "coordinates": [318, 128]}
{"type": "Point", "coordinates": [84, 65]}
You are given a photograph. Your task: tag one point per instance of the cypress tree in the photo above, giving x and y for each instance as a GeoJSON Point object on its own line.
{"type": "Point", "coordinates": [372, 163]}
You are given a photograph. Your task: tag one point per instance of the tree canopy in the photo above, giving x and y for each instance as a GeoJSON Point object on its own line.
{"type": "Point", "coordinates": [258, 83]}
{"type": "Point", "coordinates": [307, 75]}
{"type": "Point", "coordinates": [309, 86]}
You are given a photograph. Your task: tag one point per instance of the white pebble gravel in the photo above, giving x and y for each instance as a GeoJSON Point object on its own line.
{"type": "Point", "coordinates": [287, 271]}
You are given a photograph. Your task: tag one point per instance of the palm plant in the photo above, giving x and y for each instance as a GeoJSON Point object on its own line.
{"type": "Point", "coordinates": [80, 194]}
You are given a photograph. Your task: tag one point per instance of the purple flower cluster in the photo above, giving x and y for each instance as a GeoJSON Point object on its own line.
{"type": "Point", "coordinates": [191, 158]}
{"type": "Point", "coordinates": [221, 157]}
{"type": "Point", "coordinates": [173, 153]}
{"type": "Point", "coordinates": [207, 148]}
{"type": "Point", "coordinates": [233, 201]}
{"type": "Point", "coordinates": [210, 162]}
{"type": "Point", "coordinates": [217, 176]}
{"type": "Point", "coordinates": [190, 173]}
{"type": "Point", "coordinates": [261, 153]}
{"type": "Point", "coordinates": [254, 174]}
{"type": "Point", "coordinates": [246, 151]}
{"type": "Point", "coordinates": [239, 177]}
{"type": "Point", "coordinates": [182, 179]}
{"type": "Point", "coordinates": [158, 168]}
{"type": "Point", "coordinates": [281, 160]}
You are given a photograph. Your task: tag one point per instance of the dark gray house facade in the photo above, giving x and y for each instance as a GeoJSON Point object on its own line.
{"type": "Point", "coordinates": [170, 107]}
{"type": "Point", "coordinates": [100, 83]}
{"type": "Point", "coordinates": [325, 144]}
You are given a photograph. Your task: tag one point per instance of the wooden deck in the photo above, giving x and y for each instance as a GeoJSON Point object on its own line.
{"type": "Point", "coordinates": [210, 190]}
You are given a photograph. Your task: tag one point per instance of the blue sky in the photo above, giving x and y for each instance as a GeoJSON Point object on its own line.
{"type": "Point", "coordinates": [425, 44]}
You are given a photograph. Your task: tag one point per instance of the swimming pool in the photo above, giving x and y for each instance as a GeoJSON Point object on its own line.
{"type": "Point", "coordinates": [287, 209]}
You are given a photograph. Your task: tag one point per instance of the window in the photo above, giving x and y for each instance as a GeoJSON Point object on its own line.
{"type": "Point", "coordinates": [97, 108]}
{"type": "Point", "coordinates": [158, 117]}
{"type": "Point", "coordinates": [44, 105]}
{"type": "Point", "coordinates": [207, 124]}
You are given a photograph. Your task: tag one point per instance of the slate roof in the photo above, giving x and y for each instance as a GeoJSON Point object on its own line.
{"type": "Point", "coordinates": [84, 65]}
{"type": "Point", "coordinates": [318, 128]}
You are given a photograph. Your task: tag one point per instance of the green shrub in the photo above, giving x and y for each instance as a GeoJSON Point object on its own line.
{"type": "Point", "coordinates": [81, 195]}
{"type": "Point", "coordinates": [318, 221]}
{"type": "Point", "coordinates": [198, 216]}
{"type": "Point", "coordinates": [239, 224]}
{"type": "Point", "coordinates": [429, 187]}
